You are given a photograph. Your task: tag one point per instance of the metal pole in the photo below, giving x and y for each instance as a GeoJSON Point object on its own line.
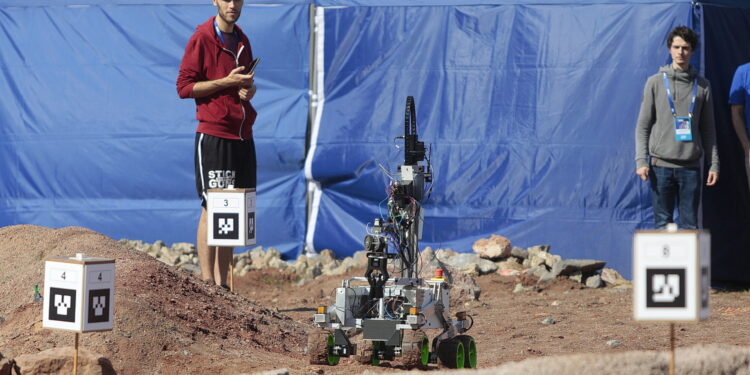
{"type": "Point", "coordinates": [75, 357]}
{"type": "Point", "coordinates": [671, 345]}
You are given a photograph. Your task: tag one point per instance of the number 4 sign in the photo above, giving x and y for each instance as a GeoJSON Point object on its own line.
{"type": "Point", "coordinates": [79, 293]}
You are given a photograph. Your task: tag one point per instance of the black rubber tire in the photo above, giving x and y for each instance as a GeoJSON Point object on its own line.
{"type": "Point", "coordinates": [451, 353]}
{"type": "Point", "coordinates": [317, 348]}
{"type": "Point", "coordinates": [413, 345]}
{"type": "Point", "coordinates": [365, 355]}
{"type": "Point", "coordinates": [470, 350]}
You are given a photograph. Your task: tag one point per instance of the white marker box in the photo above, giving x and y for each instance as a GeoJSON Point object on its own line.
{"type": "Point", "coordinates": [231, 217]}
{"type": "Point", "coordinates": [671, 275]}
{"type": "Point", "coordinates": [79, 293]}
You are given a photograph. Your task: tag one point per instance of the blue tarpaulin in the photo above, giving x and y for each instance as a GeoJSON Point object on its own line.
{"type": "Point", "coordinates": [726, 208]}
{"type": "Point", "coordinates": [530, 111]}
{"type": "Point", "coordinates": [529, 108]}
{"type": "Point", "coordinates": [93, 133]}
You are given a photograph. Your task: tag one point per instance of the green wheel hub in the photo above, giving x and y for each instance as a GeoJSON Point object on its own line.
{"type": "Point", "coordinates": [460, 355]}
{"type": "Point", "coordinates": [470, 349]}
{"type": "Point", "coordinates": [375, 360]}
{"type": "Point", "coordinates": [424, 352]}
{"type": "Point", "coordinates": [332, 359]}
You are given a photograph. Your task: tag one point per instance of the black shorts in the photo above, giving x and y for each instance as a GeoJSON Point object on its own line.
{"type": "Point", "coordinates": [222, 162]}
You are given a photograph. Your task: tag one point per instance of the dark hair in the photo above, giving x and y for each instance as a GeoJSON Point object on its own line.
{"type": "Point", "coordinates": [686, 34]}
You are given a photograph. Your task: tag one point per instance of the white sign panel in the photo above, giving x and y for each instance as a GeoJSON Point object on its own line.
{"type": "Point", "coordinates": [671, 275]}
{"type": "Point", "coordinates": [79, 294]}
{"type": "Point", "coordinates": [231, 217]}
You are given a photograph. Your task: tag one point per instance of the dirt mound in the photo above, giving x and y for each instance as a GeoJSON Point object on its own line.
{"type": "Point", "coordinates": [169, 322]}
{"type": "Point", "coordinates": [166, 320]}
{"type": "Point", "coordinates": [713, 359]}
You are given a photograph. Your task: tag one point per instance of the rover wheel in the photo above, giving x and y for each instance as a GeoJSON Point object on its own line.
{"type": "Point", "coordinates": [451, 353]}
{"type": "Point", "coordinates": [368, 354]}
{"type": "Point", "coordinates": [319, 344]}
{"type": "Point", "coordinates": [470, 351]}
{"type": "Point", "coordinates": [415, 349]}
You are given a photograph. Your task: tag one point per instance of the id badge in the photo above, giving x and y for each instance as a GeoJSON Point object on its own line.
{"type": "Point", "coordinates": [682, 129]}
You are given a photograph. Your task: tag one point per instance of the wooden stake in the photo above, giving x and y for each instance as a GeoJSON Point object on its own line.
{"type": "Point", "coordinates": [231, 275]}
{"type": "Point", "coordinates": [75, 357]}
{"type": "Point", "coordinates": [672, 354]}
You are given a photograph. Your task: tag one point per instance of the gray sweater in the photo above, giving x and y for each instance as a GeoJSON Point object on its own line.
{"type": "Point", "coordinates": [654, 131]}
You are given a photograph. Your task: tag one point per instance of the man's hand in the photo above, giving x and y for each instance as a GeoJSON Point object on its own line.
{"type": "Point", "coordinates": [235, 78]}
{"type": "Point", "coordinates": [642, 172]}
{"type": "Point", "coordinates": [247, 93]}
{"type": "Point", "coordinates": [713, 177]}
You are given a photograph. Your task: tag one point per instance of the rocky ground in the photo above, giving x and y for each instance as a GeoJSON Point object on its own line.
{"type": "Point", "coordinates": [169, 322]}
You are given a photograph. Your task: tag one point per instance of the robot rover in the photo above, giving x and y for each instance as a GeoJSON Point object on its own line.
{"type": "Point", "coordinates": [393, 312]}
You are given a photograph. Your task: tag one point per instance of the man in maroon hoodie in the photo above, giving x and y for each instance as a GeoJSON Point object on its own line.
{"type": "Point", "coordinates": [214, 72]}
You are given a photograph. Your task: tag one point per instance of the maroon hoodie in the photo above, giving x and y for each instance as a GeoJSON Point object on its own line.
{"type": "Point", "coordinates": [221, 114]}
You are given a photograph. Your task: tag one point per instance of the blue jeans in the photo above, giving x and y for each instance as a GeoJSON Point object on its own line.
{"type": "Point", "coordinates": [670, 184]}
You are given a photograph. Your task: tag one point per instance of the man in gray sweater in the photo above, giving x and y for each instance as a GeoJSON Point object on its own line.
{"type": "Point", "coordinates": [675, 129]}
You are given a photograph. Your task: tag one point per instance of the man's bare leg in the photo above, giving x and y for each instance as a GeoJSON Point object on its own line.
{"type": "Point", "coordinates": [223, 258]}
{"type": "Point", "coordinates": [206, 254]}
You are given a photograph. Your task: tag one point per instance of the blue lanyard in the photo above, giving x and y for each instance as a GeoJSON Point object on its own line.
{"type": "Point", "coordinates": [218, 31]}
{"type": "Point", "coordinates": [669, 95]}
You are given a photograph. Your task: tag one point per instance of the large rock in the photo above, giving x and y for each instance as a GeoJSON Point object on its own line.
{"type": "Point", "coordinates": [327, 256]}
{"type": "Point", "coordinates": [153, 250]}
{"type": "Point", "coordinates": [346, 265]}
{"type": "Point", "coordinates": [539, 255]}
{"type": "Point", "coordinates": [169, 256]}
{"type": "Point", "coordinates": [576, 276]}
{"type": "Point", "coordinates": [543, 248]}
{"type": "Point", "coordinates": [256, 257]}
{"type": "Point", "coordinates": [193, 268]}
{"type": "Point", "coordinates": [551, 259]}
{"type": "Point", "coordinates": [537, 271]}
{"type": "Point", "coordinates": [510, 264]}
{"type": "Point", "coordinates": [270, 256]}
{"type": "Point", "coordinates": [613, 278]}
{"type": "Point", "coordinates": [495, 247]}
{"type": "Point", "coordinates": [184, 259]}
{"type": "Point", "coordinates": [463, 287]}
{"type": "Point", "coordinates": [429, 261]}
{"type": "Point", "coordinates": [546, 276]}
{"type": "Point", "coordinates": [313, 270]}
{"type": "Point", "coordinates": [278, 263]}
{"type": "Point", "coordinates": [328, 268]}
{"type": "Point", "coordinates": [535, 261]}
{"type": "Point", "coordinates": [569, 266]}
{"type": "Point", "coordinates": [60, 361]}
{"type": "Point", "coordinates": [240, 262]}
{"type": "Point", "coordinates": [508, 272]}
{"type": "Point", "coordinates": [300, 265]}
{"type": "Point", "coordinates": [594, 281]}
{"type": "Point", "coordinates": [471, 263]}
{"type": "Point", "coordinates": [184, 247]}
{"type": "Point", "coordinates": [443, 254]}
{"type": "Point", "coordinates": [519, 252]}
